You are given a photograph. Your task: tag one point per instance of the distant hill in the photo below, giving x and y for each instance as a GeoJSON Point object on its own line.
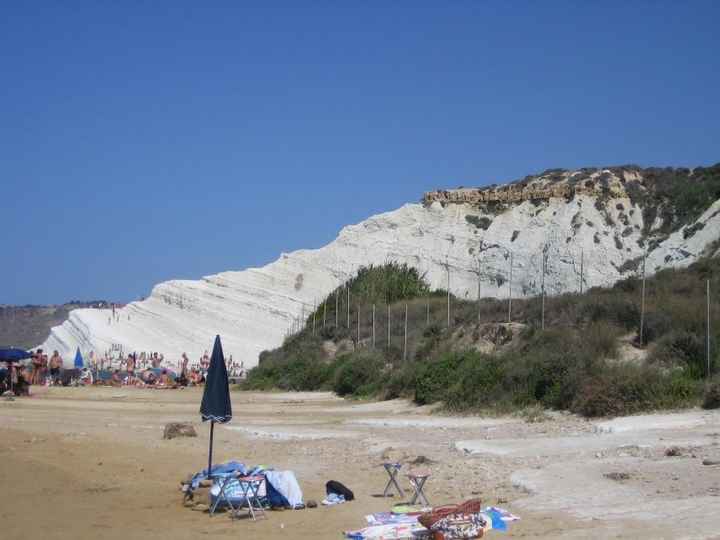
{"type": "Point", "coordinates": [27, 326]}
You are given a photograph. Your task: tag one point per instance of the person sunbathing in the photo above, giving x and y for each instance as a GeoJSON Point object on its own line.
{"type": "Point", "coordinates": [164, 379]}
{"type": "Point", "coordinates": [148, 377]}
{"type": "Point", "coordinates": [196, 377]}
{"type": "Point", "coordinates": [86, 377]}
{"type": "Point", "coordinates": [115, 379]}
{"type": "Point", "coordinates": [21, 385]}
{"type": "Point", "coordinates": [182, 380]}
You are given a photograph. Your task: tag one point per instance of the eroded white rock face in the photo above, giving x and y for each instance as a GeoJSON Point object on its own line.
{"type": "Point", "coordinates": [253, 309]}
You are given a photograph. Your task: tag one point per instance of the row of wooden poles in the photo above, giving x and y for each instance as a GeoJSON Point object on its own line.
{"type": "Point", "coordinates": [373, 340]}
{"type": "Point", "coordinates": [298, 323]}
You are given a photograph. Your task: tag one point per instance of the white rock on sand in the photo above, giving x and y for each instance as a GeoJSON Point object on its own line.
{"type": "Point", "coordinates": [436, 423]}
{"type": "Point", "coordinates": [656, 421]}
{"type": "Point", "coordinates": [290, 433]}
{"type": "Point", "coordinates": [581, 489]}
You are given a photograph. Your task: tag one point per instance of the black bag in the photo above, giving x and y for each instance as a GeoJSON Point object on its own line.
{"type": "Point", "coordinates": [336, 487]}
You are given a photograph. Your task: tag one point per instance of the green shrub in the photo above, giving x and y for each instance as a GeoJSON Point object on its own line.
{"type": "Point", "coordinates": [297, 365]}
{"type": "Point", "coordinates": [548, 368]}
{"type": "Point", "coordinates": [433, 378]}
{"type": "Point", "coordinates": [358, 374]}
{"type": "Point", "coordinates": [616, 309]}
{"type": "Point", "coordinates": [711, 399]}
{"type": "Point", "coordinates": [334, 333]}
{"type": "Point", "coordinates": [477, 383]}
{"type": "Point", "coordinates": [305, 374]}
{"type": "Point", "coordinates": [682, 349]}
{"type": "Point", "coordinates": [629, 389]}
{"type": "Point", "coordinates": [630, 284]}
{"type": "Point", "coordinates": [600, 339]}
{"type": "Point", "coordinates": [297, 374]}
{"type": "Point", "coordinates": [401, 382]}
{"type": "Point", "coordinates": [481, 222]}
{"type": "Point", "coordinates": [431, 336]}
{"type": "Point", "coordinates": [656, 324]}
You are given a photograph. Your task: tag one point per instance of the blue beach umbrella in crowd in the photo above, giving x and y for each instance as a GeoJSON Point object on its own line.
{"type": "Point", "coordinates": [216, 396]}
{"type": "Point", "coordinates": [11, 356]}
{"type": "Point", "coordinates": [79, 363]}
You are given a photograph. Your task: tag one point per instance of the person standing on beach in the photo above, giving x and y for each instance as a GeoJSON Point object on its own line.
{"type": "Point", "coordinates": [205, 363]}
{"type": "Point", "coordinates": [37, 360]}
{"type": "Point", "coordinates": [45, 368]}
{"type": "Point", "coordinates": [131, 365]}
{"type": "Point", "coordinates": [56, 363]}
{"type": "Point", "coordinates": [184, 365]}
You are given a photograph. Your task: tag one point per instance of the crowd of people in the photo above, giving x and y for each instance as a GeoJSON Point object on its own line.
{"type": "Point", "coordinates": [40, 370]}
{"type": "Point", "coordinates": [145, 369]}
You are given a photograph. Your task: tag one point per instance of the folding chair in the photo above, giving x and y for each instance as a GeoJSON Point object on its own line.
{"type": "Point", "coordinates": [226, 484]}
{"type": "Point", "coordinates": [417, 480]}
{"type": "Point", "coordinates": [250, 487]}
{"type": "Point", "coordinates": [392, 470]}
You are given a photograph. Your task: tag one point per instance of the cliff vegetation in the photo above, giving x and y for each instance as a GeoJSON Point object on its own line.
{"type": "Point", "coordinates": [589, 359]}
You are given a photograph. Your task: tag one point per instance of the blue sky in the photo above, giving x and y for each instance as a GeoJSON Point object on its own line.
{"type": "Point", "coordinates": [145, 141]}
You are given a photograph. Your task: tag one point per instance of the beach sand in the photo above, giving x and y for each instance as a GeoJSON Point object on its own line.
{"type": "Point", "coordinates": [91, 463]}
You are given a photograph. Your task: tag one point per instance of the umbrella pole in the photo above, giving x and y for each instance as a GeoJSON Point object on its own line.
{"type": "Point", "coordinates": [212, 429]}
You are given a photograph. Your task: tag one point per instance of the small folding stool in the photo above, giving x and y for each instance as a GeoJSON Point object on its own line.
{"type": "Point", "coordinates": [392, 469]}
{"type": "Point", "coordinates": [417, 480]}
{"type": "Point", "coordinates": [250, 488]}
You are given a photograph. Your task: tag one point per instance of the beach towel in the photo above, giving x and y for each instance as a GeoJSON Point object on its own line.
{"type": "Point", "coordinates": [389, 532]}
{"type": "Point", "coordinates": [496, 520]}
{"type": "Point", "coordinates": [283, 489]}
{"type": "Point", "coordinates": [219, 470]}
{"type": "Point", "coordinates": [411, 509]}
{"type": "Point", "coordinates": [389, 518]}
{"type": "Point", "coordinates": [504, 514]}
{"type": "Point", "coordinates": [332, 499]}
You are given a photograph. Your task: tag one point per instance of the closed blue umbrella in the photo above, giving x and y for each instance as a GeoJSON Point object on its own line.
{"type": "Point", "coordinates": [79, 363]}
{"type": "Point", "coordinates": [216, 396]}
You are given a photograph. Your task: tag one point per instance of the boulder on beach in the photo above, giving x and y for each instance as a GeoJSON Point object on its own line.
{"type": "Point", "coordinates": [179, 429]}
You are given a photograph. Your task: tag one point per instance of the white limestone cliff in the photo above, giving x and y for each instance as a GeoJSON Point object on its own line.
{"type": "Point", "coordinates": [253, 309]}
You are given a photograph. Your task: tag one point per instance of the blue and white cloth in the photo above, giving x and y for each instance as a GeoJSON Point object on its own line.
{"type": "Point", "coordinates": [332, 499]}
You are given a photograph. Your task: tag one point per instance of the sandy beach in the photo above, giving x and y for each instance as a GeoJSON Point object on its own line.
{"type": "Point", "coordinates": [91, 462]}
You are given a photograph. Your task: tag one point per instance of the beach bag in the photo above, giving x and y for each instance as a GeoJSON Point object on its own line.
{"type": "Point", "coordinates": [455, 522]}
{"type": "Point", "coordinates": [336, 487]}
